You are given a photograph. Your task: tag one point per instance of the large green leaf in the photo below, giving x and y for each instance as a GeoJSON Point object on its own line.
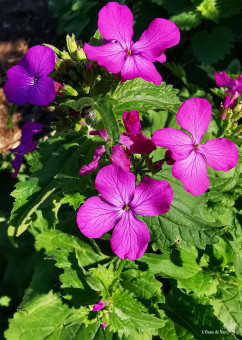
{"type": "Point", "coordinates": [138, 94]}
{"type": "Point", "coordinates": [184, 223]}
{"type": "Point", "coordinates": [55, 168]}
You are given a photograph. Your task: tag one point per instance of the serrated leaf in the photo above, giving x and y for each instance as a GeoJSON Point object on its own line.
{"type": "Point", "coordinates": [130, 315]}
{"type": "Point", "coordinates": [56, 166]}
{"type": "Point", "coordinates": [40, 318]}
{"type": "Point", "coordinates": [183, 266]}
{"type": "Point", "coordinates": [209, 9]}
{"type": "Point", "coordinates": [74, 200]}
{"type": "Point", "coordinates": [187, 20]}
{"type": "Point", "coordinates": [104, 105]}
{"type": "Point", "coordinates": [184, 223]}
{"type": "Point", "coordinates": [219, 43]}
{"type": "Point", "coordinates": [138, 94]}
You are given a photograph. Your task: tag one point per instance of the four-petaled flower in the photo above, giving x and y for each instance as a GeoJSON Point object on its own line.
{"type": "Point", "coordinates": [191, 158]}
{"type": "Point", "coordinates": [121, 54]}
{"type": "Point", "coordinates": [27, 144]}
{"type": "Point", "coordinates": [118, 206]}
{"type": "Point", "coordinates": [28, 82]}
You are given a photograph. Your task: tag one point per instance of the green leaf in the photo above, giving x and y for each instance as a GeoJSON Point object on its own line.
{"type": "Point", "coordinates": [129, 315]}
{"type": "Point", "coordinates": [40, 318]}
{"type": "Point", "coordinates": [55, 167]}
{"type": "Point", "coordinates": [9, 121]}
{"type": "Point", "coordinates": [102, 279]}
{"type": "Point", "coordinates": [184, 267]}
{"type": "Point", "coordinates": [187, 20]}
{"type": "Point", "coordinates": [203, 41]}
{"type": "Point", "coordinates": [74, 200]}
{"type": "Point", "coordinates": [104, 106]}
{"type": "Point", "coordinates": [138, 94]}
{"type": "Point", "coordinates": [209, 9]}
{"type": "Point", "coordinates": [184, 223]}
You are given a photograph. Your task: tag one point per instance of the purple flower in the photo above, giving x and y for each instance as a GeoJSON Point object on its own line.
{"type": "Point", "coordinates": [118, 206]}
{"type": "Point", "coordinates": [191, 158]}
{"type": "Point", "coordinates": [98, 306]}
{"type": "Point", "coordinates": [103, 325]}
{"type": "Point", "coordinates": [121, 54]}
{"type": "Point", "coordinates": [131, 121]}
{"type": "Point", "coordinates": [235, 89]}
{"type": "Point", "coordinates": [28, 82]}
{"type": "Point", "coordinates": [26, 145]}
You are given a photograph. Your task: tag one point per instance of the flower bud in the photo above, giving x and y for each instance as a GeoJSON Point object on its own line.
{"type": "Point", "coordinates": [80, 54]}
{"type": "Point", "coordinates": [131, 121]}
{"type": "Point", "coordinates": [70, 91]}
{"type": "Point", "coordinates": [71, 44]}
{"type": "Point", "coordinates": [65, 55]}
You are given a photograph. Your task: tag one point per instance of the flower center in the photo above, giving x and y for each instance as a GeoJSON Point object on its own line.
{"type": "Point", "coordinates": [195, 146]}
{"type": "Point", "coordinates": [126, 207]}
{"type": "Point", "coordinates": [35, 80]}
{"type": "Point", "coordinates": [129, 52]}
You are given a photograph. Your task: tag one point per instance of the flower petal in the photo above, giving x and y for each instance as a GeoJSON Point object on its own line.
{"type": "Point", "coordinates": [221, 153]}
{"type": "Point", "coordinates": [177, 141]}
{"type": "Point", "coordinates": [115, 22]}
{"type": "Point", "coordinates": [96, 217]}
{"type": "Point", "coordinates": [223, 80]}
{"type": "Point", "coordinates": [192, 172]}
{"type": "Point", "coordinates": [131, 121]}
{"type": "Point", "coordinates": [139, 66]}
{"type": "Point", "coordinates": [16, 164]}
{"type": "Point", "coordinates": [160, 35]}
{"type": "Point", "coordinates": [98, 306]}
{"type": "Point", "coordinates": [194, 116]}
{"type": "Point", "coordinates": [43, 92]}
{"type": "Point", "coordinates": [130, 237]}
{"type": "Point", "coordinates": [120, 158]}
{"type": "Point", "coordinates": [102, 133]}
{"type": "Point", "coordinates": [111, 56]}
{"type": "Point", "coordinates": [137, 143]}
{"type": "Point", "coordinates": [152, 197]}
{"type": "Point", "coordinates": [115, 185]}
{"type": "Point", "coordinates": [41, 60]}
{"type": "Point", "coordinates": [17, 86]}
{"type": "Point", "coordinates": [29, 129]}
{"type": "Point", "coordinates": [87, 168]}
{"type": "Point", "coordinates": [161, 58]}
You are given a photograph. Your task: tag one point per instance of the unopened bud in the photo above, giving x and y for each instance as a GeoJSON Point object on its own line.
{"type": "Point", "coordinates": [226, 101]}
{"type": "Point", "coordinates": [228, 125]}
{"type": "Point", "coordinates": [229, 114]}
{"type": "Point", "coordinates": [80, 54]}
{"type": "Point", "coordinates": [59, 89]}
{"type": "Point", "coordinates": [238, 108]}
{"type": "Point", "coordinates": [60, 66]}
{"type": "Point", "coordinates": [239, 129]}
{"type": "Point", "coordinates": [71, 44]}
{"type": "Point", "coordinates": [237, 115]}
{"type": "Point", "coordinates": [70, 91]}
{"type": "Point", "coordinates": [65, 55]}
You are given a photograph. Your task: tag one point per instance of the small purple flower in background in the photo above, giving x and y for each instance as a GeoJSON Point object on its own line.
{"type": "Point", "coordinates": [118, 206]}
{"type": "Point", "coordinates": [191, 159]}
{"type": "Point", "coordinates": [59, 88]}
{"type": "Point", "coordinates": [98, 306]}
{"type": "Point", "coordinates": [121, 54]}
{"type": "Point", "coordinates": [28, 82]}
{"type": "Point", "coordinates": [27, 144]}
{"type": "Point", "coordinates": [103, 325]}
{"type": "Point", "coordinates": [235, 88]}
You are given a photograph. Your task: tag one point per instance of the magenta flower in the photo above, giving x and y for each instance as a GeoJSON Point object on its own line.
{"type": "Point", "coordinates": [27, 144]}
{"type": "Point", "coordinates": [103, 325]}
{"type": "Point", "coordinates": [235, 89]}
{"type": "Point", "coordinates": [28, 82]}
{"type": "Point", "coordinates": [98, 306]}
{"type": "Point", "coordinates": [118, 206]}
{"type": "Point", "coordinates": [191, 159]}
{"type": "Point", "coordinates": [134, 140]}
{"type": "Point", "coordinates": [121, 54]}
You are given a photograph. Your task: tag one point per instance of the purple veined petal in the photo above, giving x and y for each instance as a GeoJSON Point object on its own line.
{"type": "Point", "coordinates": [16, 164]}
{"type": "Point", "coordinates": [17, 86]}
{"type": "Point", "coordinates": [160, 35]}
{"type": "Point", "coordinates": [120, 158]}
{"type": "Point", "coordinates": [41, 60]}
{"type": "Point", "coordinates": [87, 168]}
{"type": "Point", "coordinates": [194, 116]}
{"type": "Point", "coordinates": [192, 172]}
{"type": "Point", "coordinates": [24, 63]}
{"type": "Point", "coordinates": [102, 133]}
{"type": "Point", "coordinates": [138, 66]}
{"type": "Point", "coordinates": [131, 121]}
{"type": "Point", "coordinates": [177, 141]}
{"type": "Point", "coordinates": [115, 22]}
{"type": "Point", "coordinates": [220, 153]}
{"type": "Point", "coordinates": [98, 306]}
{"type": "Point", "coordinates": [161, 58]}
{"type": "Point", "coordinates": [96, 217]}
{"type": "Point", "coordinates": [239, 86]}
{"type": "Point", "coordinates": [115, 185]}
{"type": "Point", "coordinates": [223, 80]}
{"type": "Point", "coordinates": [130, 237]}
{"type": "Point", "coordinates": [43, 92]}
{"type": "Point", "coordinates": [137, 143]}
{"type": "Point", "coordinates": [29, 129]}
{"type": "Point", "coordinates": [111, 56]}
{"type": "Point", "coordinates": [152, 197]}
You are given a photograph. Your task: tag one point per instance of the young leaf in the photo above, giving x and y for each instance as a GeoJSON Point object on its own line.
{"type": "Point", "coordinates": [187, 20]}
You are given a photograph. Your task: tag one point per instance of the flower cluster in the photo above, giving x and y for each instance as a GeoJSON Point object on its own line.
{"type": "Point", "coordinates": [120, 200]}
